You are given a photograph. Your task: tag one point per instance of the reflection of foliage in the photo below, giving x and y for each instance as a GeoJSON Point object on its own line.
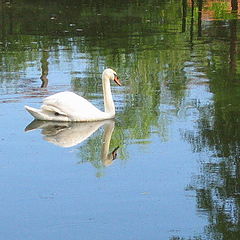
{"type": "Point", "coordinates": [219, 188]}
{"type": "Point", "coordinates": [217, 133]}
{"type": "Point", "coordinates": [91, 151]}
{"type": "Point", "coordinates": [221, 9]}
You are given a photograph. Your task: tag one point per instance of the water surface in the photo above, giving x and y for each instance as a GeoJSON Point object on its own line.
{"type": "Point", "coordinates": [176, 173]}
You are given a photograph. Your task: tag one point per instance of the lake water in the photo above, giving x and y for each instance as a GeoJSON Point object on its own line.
{"type": "Point", "coordinates": [176, 132]}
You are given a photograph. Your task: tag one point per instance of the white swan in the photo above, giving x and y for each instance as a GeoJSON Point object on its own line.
{"type": "Point", "coordinates": [68, 106]}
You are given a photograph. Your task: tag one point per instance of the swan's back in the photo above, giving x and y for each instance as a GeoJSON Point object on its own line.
{"type": "Point", "coordinates": [69, 104]}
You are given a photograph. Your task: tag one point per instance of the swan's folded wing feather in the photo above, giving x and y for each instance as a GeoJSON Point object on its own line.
{"type": "Point", "coordinates": [50, 108]}
{"type": "Point", "coordinates": [69, 104]}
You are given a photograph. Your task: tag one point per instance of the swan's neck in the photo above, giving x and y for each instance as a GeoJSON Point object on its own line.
{"type": "Point", "coordinates": [107, 94]}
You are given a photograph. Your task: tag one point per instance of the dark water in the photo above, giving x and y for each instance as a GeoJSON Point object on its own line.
{"type": "Point", "coordinates": [176, 173]}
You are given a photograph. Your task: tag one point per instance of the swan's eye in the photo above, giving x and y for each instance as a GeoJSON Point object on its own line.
{"type": "Point", "coordinates": [115, 76]}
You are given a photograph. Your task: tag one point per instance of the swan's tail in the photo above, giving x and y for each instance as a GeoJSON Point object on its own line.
{"type": "Point", "coordinates": [46, 113]}
{"type": "Point", "coordinates": [36, 113]}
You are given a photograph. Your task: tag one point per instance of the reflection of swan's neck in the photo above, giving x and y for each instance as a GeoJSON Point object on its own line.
{"type": "Point", "coordinates": [105, 155]}
{"type": "Point", "coordinates": [108, 100]}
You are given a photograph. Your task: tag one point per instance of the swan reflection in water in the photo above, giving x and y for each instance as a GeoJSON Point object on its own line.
{"type": "Point", "coordinates": [69, 134]}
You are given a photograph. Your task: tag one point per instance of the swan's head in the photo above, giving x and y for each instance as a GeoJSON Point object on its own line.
{"type": "Point", "coordinates": [112, 75]}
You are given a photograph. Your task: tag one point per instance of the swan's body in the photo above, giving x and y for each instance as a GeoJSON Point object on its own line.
{"type": "Point", "coordinates": [68, 106]}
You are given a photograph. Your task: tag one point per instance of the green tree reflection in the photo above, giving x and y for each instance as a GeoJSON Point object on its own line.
{"type": "Point", "coordinates": [218, 187]}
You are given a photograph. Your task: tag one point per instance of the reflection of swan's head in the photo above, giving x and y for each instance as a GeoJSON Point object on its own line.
{"type": "Point", "coordinates": [110, 157]}
{"type": "Point", "coordinates": [112, 75]}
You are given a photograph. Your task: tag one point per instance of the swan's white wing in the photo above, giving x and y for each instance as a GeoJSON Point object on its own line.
{"type": "Point", "coordinates": [71, 105]}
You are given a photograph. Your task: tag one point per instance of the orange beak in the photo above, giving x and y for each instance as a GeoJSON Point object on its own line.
{"type": "Point", "coordinates": [117, 80]}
